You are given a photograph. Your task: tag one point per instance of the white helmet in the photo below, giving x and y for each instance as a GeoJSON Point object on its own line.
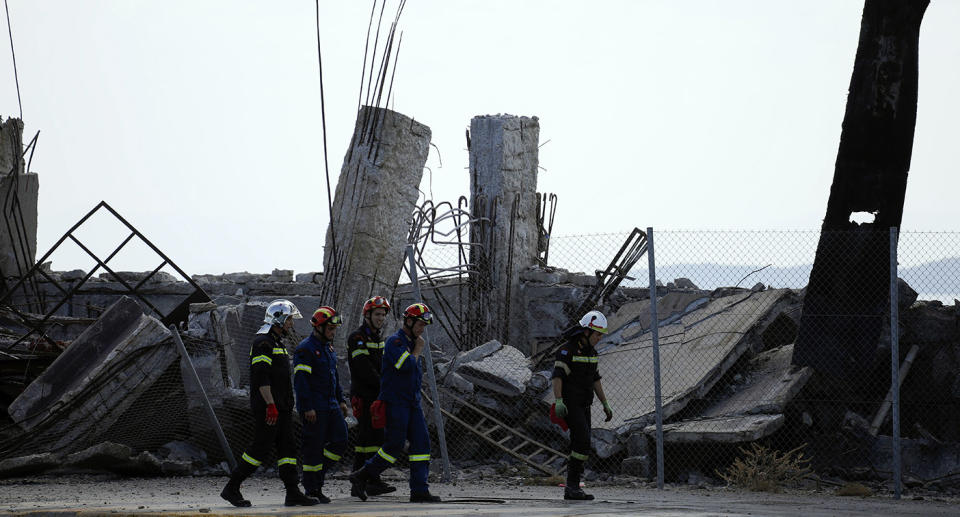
{"type": "Point", "coordinates": [277, 313]}
{"type": "Point", "coordinates": [594, 320]}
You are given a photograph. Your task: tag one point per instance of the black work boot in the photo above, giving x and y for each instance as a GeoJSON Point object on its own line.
{"type": "Point", "coordinates": [576, 494]}
{"type": "Point", "coordinates": [424, 497]}
{"type": "Point", "coordinates": [317, 494]}
{"type": "Point", "coordinates": [232, 494]}
{"type": "Point", "coordinates": [358, 483]}
{"type": "Point", "coordinates": [296, 498]}
{"type": "Point", "coordinates": [376, 486]}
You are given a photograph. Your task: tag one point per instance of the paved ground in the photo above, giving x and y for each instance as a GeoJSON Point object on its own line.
{"type": "Point", "coordinates": [99, 495]}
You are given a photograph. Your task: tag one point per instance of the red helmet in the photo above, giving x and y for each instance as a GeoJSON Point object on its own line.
{"type": "Point", "coordinates": [419, 311]}
{"type": "Point", "coordinates": [325, 315]}
{"type": "Point", "coordinates": [377, 302]}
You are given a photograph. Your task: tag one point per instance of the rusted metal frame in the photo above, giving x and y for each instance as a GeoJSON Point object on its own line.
{"type": "Point", "coordinates": [37, 326]}
{"type": "Point", "coordinates": [149, 276]}
{"type": "Point", "coordinates": [607, 281]}
{"type": "Point", "coordinates": [154, 248]}
{"type": "Point", "coordinates": [113, 273]}
{"type": "Point", "coordinates": [50, 252]}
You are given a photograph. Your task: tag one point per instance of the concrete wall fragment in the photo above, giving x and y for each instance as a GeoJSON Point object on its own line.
{"type": "Point", "coordinates": [19, 192]}
{"type": "Point", "coordinates": [96, 379]}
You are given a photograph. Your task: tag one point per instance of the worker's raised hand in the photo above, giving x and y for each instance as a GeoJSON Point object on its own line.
{"type": "Point", "coordinates": [344, 409]}
{"type": "Point", "coordinates": [607, 411]}
{"type": "Point", "coordinates": [272, 414]}
{"type": "Point", "coordinates": [560, 408]}
{"type": "Point", "coordinates": [311, 416]}
{"type": "Point", "coordinates": [418, 346]}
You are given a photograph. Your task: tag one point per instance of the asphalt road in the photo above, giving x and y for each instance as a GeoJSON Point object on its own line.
{"type": "Point", "coordinates": [100, 495]}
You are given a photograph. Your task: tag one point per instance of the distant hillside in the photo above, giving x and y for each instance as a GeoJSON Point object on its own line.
{"type": "Point", "coordinates": [939, 279]}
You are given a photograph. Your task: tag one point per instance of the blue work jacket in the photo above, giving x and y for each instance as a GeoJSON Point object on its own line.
{"type": "Point", "coordinates": [315, 378]}
{"type": "Point", "coordinates": [401, 376]}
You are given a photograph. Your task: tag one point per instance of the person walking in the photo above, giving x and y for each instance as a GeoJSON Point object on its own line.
{"type": "Point", "coordinates": [365, 353]}
{"type": "Point", "coordinates": [320, 402]}
{"type": "Point", "coordinates": [576, 379]}
{"type": "Point", "coordinates": [271, 401]}
{"type": "Point", "coordinates": [400, 382]}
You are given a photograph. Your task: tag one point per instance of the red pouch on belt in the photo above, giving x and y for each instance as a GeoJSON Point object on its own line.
{"type": "Point", "coordinates": [555, 419]}
{"type": "Point", "coordinates": [378, 414]}
{"type": "Point", "coordinates": [357, 404]}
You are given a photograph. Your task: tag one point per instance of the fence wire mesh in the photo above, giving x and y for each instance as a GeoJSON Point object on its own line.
{"type": "Point", "coordinates": [751, 352]}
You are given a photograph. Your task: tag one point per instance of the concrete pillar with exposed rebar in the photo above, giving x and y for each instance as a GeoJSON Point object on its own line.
{"type": "Point", "coordinates": [376, 193]}
{"type": "Point", "coordinates": [503, 189]}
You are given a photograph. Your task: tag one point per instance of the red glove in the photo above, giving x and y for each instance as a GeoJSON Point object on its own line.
{"type": "Point", "coordinates": [357, 404]}
{"type": "Point", "coordinates": [272, 414]}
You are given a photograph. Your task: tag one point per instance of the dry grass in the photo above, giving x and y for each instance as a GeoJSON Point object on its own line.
{"type": "Point", "coordinates": [544, 481]}
{"type": "Point", "coordinates": [766, 470]}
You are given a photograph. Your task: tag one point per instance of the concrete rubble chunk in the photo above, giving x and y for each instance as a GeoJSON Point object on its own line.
{"type": "Point", "coordinates": [505, 371]}
{"type": "Point", "coordinates": [28, 465]}
{"type": "Point", "coordinates": [640, 466]}
{"type": "Point", "coordinates": [97, 378]}
{"type": "Point", "coordinates": [134, 277]}
{"type": "Point", "coordinates": [728, 429]}
{"type": "Point", "coordinates": [102, 456]}
{"type": "Point", "coordinates": [474, 354]}
{"type": "Point", "coordinates": [313, 277]}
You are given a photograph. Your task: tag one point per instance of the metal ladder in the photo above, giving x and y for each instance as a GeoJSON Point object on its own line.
{"type": "Point", "coordinates": [503, 436]}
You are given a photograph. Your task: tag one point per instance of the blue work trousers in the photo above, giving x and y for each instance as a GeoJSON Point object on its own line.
{"type": "Point", "coordinates": [324, 442]}
{"type": "Point", "coordinates": [405, 423]}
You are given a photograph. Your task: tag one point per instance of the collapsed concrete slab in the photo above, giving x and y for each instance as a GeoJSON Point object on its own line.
{"type": "Point", "coordinates": [695, 351]}
{"type": "Point", "coordinates": [727, 429]}
{"type": "Point", "coordinates": [376, 193]}
{"type": "Point", "coordinates": [505, 371]}
{"type": "Point", "coordinates": [770, 383]}
{"type": "Point", "coordinates": [633, 318]}
{"type": "Point", "coordinates": [753, 411]}
{"type": "Point", "coordinates": [95, 380]}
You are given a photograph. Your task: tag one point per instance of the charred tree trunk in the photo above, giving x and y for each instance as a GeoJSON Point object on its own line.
{"type": "Point", "coordinates": [847, 296]}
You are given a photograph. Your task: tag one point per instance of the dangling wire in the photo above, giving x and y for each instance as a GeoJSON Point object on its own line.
{"type": "Point", "coordinates": [16, 77]}
{"type": "Point", "coordinates": [323, 121]}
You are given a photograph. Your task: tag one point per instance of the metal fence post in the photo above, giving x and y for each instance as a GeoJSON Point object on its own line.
{"type": "Point", "coordinates": [895, 361]}
{"type": "Point", "coordinates": [655, 330]}
{"type": "Point", "coordinates": [431, 377]}
{"type": "Point", "coordinates": [224, 444]}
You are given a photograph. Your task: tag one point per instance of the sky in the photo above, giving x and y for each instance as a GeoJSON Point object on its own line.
{"type": "Point", "coordinates": [199, 120]}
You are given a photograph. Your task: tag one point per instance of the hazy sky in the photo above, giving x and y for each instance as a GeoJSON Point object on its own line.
{"type": "Point", "coordinates": [199, 120]}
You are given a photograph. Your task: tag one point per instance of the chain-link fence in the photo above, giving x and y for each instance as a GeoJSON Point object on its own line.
{"type": "Point", "coordinates": [753, 351]}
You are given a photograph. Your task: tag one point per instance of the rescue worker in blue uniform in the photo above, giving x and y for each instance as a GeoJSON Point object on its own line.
{"type": "Point", "coordinates": [365, 356]}
{"type": "Point", "coordinates": [575, 380]}
{"type": "Point", "coordinates": [320, 402]}
{"type": "Point", "coordinates": [400, 383]}
{"type": "Point", "coordinates": [271, 401]}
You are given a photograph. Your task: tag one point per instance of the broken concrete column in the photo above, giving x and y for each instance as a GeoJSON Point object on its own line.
{"type": "Point", "coordinates": [503, 189]}
{"type": "Point", "coordinates": [848, 293]}
{"type": "Point", "coordinates": [376, 193]}
{"type": "Point", "coordinates": [18, 206]}
{"type": "Point", "coordinates": [96, 379]}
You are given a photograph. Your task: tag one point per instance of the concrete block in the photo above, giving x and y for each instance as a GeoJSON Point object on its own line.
{"type": "Point", "coordinates": [28, 465]}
